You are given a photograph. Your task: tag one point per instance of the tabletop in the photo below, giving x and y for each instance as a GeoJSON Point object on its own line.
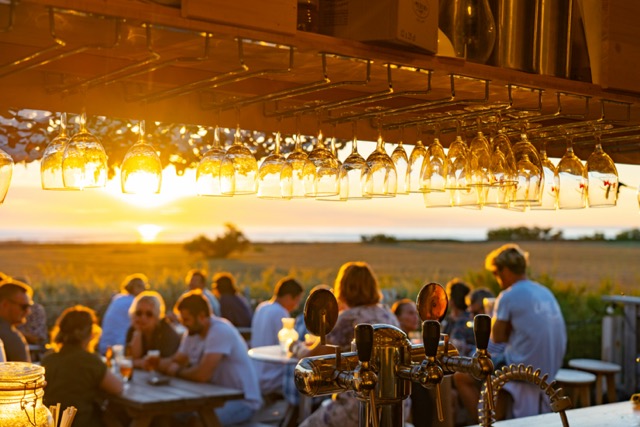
{"type": "Point", "coordinates": [272, 353]}
{"type": "Point", "coordinates": [610, 415]}
{"type": "Point", "coordinates": [144, 401]}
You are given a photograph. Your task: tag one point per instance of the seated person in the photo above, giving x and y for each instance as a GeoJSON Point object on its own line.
{"type": "Point", "coordinates": [15, 305]}
{"type": "Point", "coordinates": [214, 351]}
{"type": "Point", "coordinates": [150, 330]}
{"type": "Point", "coordinates": [74, 373]}
{"type": "Point", "coordinates": [233, 305]}
{"type": "Point", "coordinates": [458, 324]}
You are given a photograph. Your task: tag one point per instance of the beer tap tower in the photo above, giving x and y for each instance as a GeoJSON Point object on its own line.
{"type": "Point", "coordinates": [386, 363]}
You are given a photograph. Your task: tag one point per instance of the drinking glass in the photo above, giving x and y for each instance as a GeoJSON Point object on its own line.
{"type": "Point", "coordinates": [502, 180]}
{"type": "Point", "coordinates": [152, 361]}
{"type": "Point", "coordinates": [401, 162]}
{"type": "Point", "coordinates": [141, 169]}
{"type": "Point", "coordinates": [274, 175]}
{"type": "Point", "coordinates": [6, 170]}
{"type": "Point", "coordinates": [384, 178]}
{"type": "Point", "coordinates": [458, 167]}
{"type": "Point", "coordinates": [84, 162]}
{"type": "Point", "coordinates": [322, 174]}
{"type": "Point", "coordinates": [602, 178]}
{"type": "Point", "coordinates": [433, 174]}
{"type": "Point", "coordinates": [125, 365]}
{"type": "Point", "coordinates": [470, 26]}
{"type": "Point", "coordinates": [572, 180]}
{"type": "Point", "coordinates": [298, 160]}
{"type": "Point", "coordinates": [51, 163]}
{"type": "Point", "coordinates": [549, 198]}
{"type": "Point", "coordinates": [239, 169]}
{"type": "Point", "coordinates": [480, 159]}
{"type": "Point", "coordinates": [209, 169]}
{"type": "Point", "coordinates": [416, 160]}
{"type": "Point", "coordinates": [355, 179]}
{"type": "Point", "coordinates": [529, 175]}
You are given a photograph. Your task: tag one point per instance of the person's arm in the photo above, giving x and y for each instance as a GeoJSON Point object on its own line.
{"type": "Point", "coordinates": [500, 331]}
{"type": "Point", "coordinates": [111, 383]}
{"type": "Point", "coordinates": [169, 365]}
{"type": "Point", "coordinates": [202, 372]}
{"type": "Point", "coordinates": [137, 351]}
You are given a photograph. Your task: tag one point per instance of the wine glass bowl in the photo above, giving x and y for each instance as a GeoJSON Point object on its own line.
{"type": "Point", "coordinates": [6, 170]}
{"type": "Point", "coordinates": [51, 162]}
{"type": "Point", "coordinates": [433, 174]}
{"type": "Point", "coordinates": [141, 169]}
{"type": "Point", "coordinates": [401, 162]}
{"type": "Point", "coordinates": [384, 178]}
{"type": "Point", "coordinates": [239, 169]}
{"type": "Point", "coordinates": [572, 181]}
{"type": "Point", "coordinates": [84, 162]}
{"type": "Point", "coordinates": [416, 160]}
{"type": "Point", "coordinates": [549, 197]}
{"type": "Point", "coordinates": [602, 178]}
{"type": "Point", "coordinates": [323, 179]}
{"type": "Point", "coordinates": [528, 173]}
{"type": "Point", "coordinates": [274, 175]}
{"type": "Point", "coordinates": [355, 177]}
{"type": "Point", "coordinates": [209, 170]}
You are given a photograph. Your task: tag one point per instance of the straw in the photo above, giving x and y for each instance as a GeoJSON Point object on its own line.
{"type": "Point", "coordinates": [55, 413]}
{"type": "Point", "coordinates": [67, 416]}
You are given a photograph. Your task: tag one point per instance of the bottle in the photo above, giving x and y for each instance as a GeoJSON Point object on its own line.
{"type": "Point", "coordinates": [21, 390]}
{"type": "Point", "coordinates": [287, 334]}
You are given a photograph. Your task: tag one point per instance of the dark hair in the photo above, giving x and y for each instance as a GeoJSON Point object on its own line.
{"type": "Point", "coordinates": [478, 295]}
{"type": "Point", "coordinates": [194, 302]}
{"type": "Point", "coordinates": [133, 281]}
{"type": "Point", "coordinates": [10, 287]}
{"type": "Point", "coordinates": [287, 286]}
{"type": "Point", "coordinates": [457, 291]}
{"type": "Point", "coordinates": [224, 283]}
{"type": "Point", "coordinates": [195, 272]}
{"type": "Point", "coordinates": [356, 285]}
{"type": "Point", "coordinates": [74, 325]}
{"type": "Point", "coordinates": [399, 305]}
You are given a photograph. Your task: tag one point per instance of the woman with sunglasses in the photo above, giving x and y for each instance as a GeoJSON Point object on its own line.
{"type": "Point", "coordinates": [150, 330]}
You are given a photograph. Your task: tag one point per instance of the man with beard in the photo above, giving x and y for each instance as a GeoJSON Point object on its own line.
{"type": "Point", "coordinates": [212, 350]}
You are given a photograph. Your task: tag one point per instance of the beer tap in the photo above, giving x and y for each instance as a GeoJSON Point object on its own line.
{"type": "Point", "coordinates": [364, 378]}
{"type": "Point", "coordinates": [433, 370]}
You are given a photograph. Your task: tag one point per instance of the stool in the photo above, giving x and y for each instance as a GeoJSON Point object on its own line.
{"type": "Point", "coordinates": [600, 369]}
{"type": "Point", "coordinates": [579, 383]}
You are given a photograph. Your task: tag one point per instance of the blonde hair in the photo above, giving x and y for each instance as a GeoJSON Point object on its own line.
{"type": "Point", "coordinates": [152, 297]}
{"type": "Point", "coordinates": [356, 285]}
{"type": "Point", "coordinates": [510, 256]}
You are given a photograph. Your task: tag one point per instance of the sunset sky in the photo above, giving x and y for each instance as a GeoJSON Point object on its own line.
{"type": "Point", "coordinates": [178, 214]}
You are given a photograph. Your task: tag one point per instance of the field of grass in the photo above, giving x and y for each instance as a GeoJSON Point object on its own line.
{"type": "Point", "coordinates": [577, 272]}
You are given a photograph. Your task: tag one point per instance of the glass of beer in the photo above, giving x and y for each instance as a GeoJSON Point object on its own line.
{"type": "Point", "coordinates": [126, 368]}
{"type": "Point", "coordinates": [152, 360]}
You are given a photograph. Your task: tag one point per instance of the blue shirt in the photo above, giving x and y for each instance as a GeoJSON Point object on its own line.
{"type": "Point", "coordinates": [116, 322]}
{"type": "Point", "coordinates": [267, 321]}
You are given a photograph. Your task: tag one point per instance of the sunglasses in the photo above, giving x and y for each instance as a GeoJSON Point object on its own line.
{"type": "Point", "coordinates": [140, 313]}
{"type": "Point", "coordinates": [24, 307]}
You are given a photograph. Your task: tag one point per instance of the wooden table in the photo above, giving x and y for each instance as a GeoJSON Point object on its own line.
{"type": "Point", "coordinates": [611, 415]}
{"type": "Point", "coordinates": [599, 369]}
{"type": "Point", "coordinates": [143, 401]}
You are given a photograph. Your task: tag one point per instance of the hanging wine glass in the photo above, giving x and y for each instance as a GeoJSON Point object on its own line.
{"type": "Point", "coordinates": [322, 173]}
{"type": "Point", "coordinates": [433, 176]}
{"type": "Point", "coordinates": [416, 160]}
{"type": "Point", "coordinates": [549, 198]}
{"type": "Point", "coordinates": [502, 181]}
{"type": "Point", "coordinates": [603, 177]}
{"type": "Point", "coordinates": [355, 177]}
{"type": "Point", "coordinates": [458, 167]}
{"type": "Point", "coordinates": [51, 162]}
{"type": "Point", "coordinates": [141, 170]}
{"type": "Point", "coordinates": [334, 155]}
{"type": "Point", "coordinates": [298, 160]}
{"type": "Point", "coordinates": [480, 160]}
{"type": "Point", "coordinates": [384, 178]}
{"type": "Point", "coordinates": [84, 163]}
{"type": "Point", "coordinates": [210, 168]}
{"type": "Point", "coordinates": [6, 170]}
{"type": "Point", "coordinates": [401, 162]}
{"type": "Point", "coordinates": [274, 175]}
{"type": "Point", "coordinates": [530, 179]}
{"type": "Point", "coordinates": [470, 26]}
{"type": "Point", "coordinates": [572, 180]}
{"type": "Point", "coordinates": [239, 169]}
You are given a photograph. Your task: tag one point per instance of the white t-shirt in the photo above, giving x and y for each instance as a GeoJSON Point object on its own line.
{"type": "Point", "coordinates": [235, 369]}
{"type": "Point", "coordinates": [265, 325]}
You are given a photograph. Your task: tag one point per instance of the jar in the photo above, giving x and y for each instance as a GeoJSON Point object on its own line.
{"type": "Point", "coordinates": [21, 390]}
{"type": "Point", "coordinates": [287, 334]}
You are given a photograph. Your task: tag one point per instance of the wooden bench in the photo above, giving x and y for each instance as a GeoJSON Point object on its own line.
{"type": "Point", "coordinates": [578, 384]}
{"type": "Point", "coordinates": [599, 369]}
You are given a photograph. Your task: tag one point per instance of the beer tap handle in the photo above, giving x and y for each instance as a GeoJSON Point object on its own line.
{"type": "Point", "coordinates": [364, 347]}
{"type": "Point", "coordinates": [482, 332]}
{"type": "Point", "coordinates": [364, 342]}
{"type": "Point", "coordinates": [431, 339]}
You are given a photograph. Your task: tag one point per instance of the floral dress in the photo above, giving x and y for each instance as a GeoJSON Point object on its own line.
{"type": "Point", "coordinates": [342, 410]}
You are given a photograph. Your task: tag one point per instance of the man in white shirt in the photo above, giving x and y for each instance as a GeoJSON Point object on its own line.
{"type": "Point", "coordinates": [267, 321]}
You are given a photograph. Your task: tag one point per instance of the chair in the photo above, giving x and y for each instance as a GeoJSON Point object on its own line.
{"type": "Point", "coordinates": [578, 383]}
{"type": "Point", "coordinates": [599, 369]}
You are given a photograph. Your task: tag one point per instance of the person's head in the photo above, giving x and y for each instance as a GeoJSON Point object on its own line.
{"type": "Point", "coordinates": [146, 310]}
{"type": "Point", "coordinates": [76, 325]}
{"type": "Point", "coordinates": [134, 284]}
{"type": "Point", "coordinates": [508, 264]}
{"type": "Point", "coordinates": [15, 301]}
{"type": "Point", "coordinates": [407, 314]}
{"type": "Point", "coordinates": [196, 279]}
{"type": "Point", "coordinates": [224, 284]}
{"type": "Point", "coordinates": [356, 285]}
{"type": "Point", "coordinates": [194, 311]}
{"type": "Point", "coordinates": [457, 292]}
{"type": "Point", "coordinates": [288, 293]}
{"type": "Point", "coordinates": [476, 300]}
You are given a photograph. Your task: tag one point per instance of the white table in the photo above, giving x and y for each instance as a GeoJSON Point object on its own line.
{"type": "Point", "coordinates": [273, 354]}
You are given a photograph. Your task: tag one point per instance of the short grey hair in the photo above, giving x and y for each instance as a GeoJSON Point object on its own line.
{"type": "Point", "coordinates": [152, 297]}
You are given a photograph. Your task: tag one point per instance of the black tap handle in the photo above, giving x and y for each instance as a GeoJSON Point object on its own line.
{"type": "Point", "coordinates": [364, 341]}
{"type": "Point", "coordinates": [482, 330]}
{"type": "Point", "coordinates": [431, 337]}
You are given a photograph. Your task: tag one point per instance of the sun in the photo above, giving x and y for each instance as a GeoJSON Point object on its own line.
{"type": "Point", "coordinates": [149, 232]}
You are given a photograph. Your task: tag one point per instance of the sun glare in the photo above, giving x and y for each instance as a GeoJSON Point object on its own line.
{"type": "Point", "coordinates": [148, 232]}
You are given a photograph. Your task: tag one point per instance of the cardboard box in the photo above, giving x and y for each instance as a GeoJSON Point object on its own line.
{"type": "Point", "coordinates": [390, 22]}
{"type": "Point", "coordinates": [278, 16]}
